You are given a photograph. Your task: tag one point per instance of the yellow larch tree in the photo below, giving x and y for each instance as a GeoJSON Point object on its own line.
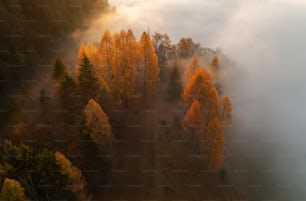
{"type": "Point", "coordinates": [77, 183]}
{"type": "Point", "coordinates": [193, 121]}
{"type": "Point", "coordinates": [190, 69]}
{"type": "Point", "coordinates": [214, 141]}
{"type": "Point", "coordinates": [216, 151]}
{"type": "Point", "coordinates": [198, 88]}
{"type": "Point", "coordinates": [199, 91]}
{"type": "Point", "coordinates": [127, 59]}
{"type": "Point", "coordinates": [98, 123]}
{"type": "Point", "coordinates": [133, 60]}
{"type": "Point", "coordinates": [12, 190]}
{"type": "Point", "coordinates": [106, 58]}
{"type": "Point", "coordinates": [150, 66]}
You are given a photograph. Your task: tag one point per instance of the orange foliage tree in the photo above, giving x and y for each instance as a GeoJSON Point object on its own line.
{"type": "Point", "coordinates": [77, 183]}
{"type": "Point", "coordinates": [206, 114]}
{"type": "Point", "coordinates": [127, 59]}
{"type": "Point", "coordinates": [117, 62]}
{"type": "Point", "coordinates": [97, 122]}
{"type": "Point", "coordinates": [190, 69]}
{"type": "Point", "coordinates": [198, 88]}
{"type": "Point", "coordinates": [193, 124]}
{"type": "Point", "coordinates": [151, 70]}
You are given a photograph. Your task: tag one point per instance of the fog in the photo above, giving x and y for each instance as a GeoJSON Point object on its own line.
{"type": "Point", "coordinates": [267, 85]}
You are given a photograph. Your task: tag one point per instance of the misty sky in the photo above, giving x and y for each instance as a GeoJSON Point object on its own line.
{"type": "Point", "coordinates": [267, 41]}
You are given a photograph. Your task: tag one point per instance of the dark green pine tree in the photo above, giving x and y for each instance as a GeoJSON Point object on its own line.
{"type": "Point", "coordinates": [69, 99]}
{"type": "Point", "coordinates": [175, 84]}
{"type": "Point", "coordinates": [59, 71]}
{"type": "Point", "coordinates": [88, 83]}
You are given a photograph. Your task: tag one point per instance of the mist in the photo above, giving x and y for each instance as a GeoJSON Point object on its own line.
{"type": "Point", "coordinates": [266, 41]}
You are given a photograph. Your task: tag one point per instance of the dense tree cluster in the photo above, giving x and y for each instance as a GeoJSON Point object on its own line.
{"type": "Point", "coordinates": [206, 112]}
{"type": "Point", "coordinates": [81, 118]}
{"type": "Point", "coordinates": [34, 33]}
{"type": "Point", "coordinates": [119, 61]}
{"type": "Point", "coordinates": [38, 175]}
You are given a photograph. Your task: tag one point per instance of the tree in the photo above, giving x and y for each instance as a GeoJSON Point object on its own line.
{"type": "Point", "coordinates": [127, 55]}
{"type": "Point", "coordinates": [186, 47]}
{"type": "Point", "coordinates": [151, 70]}
{"type": "Point", "coordinates": [51, 183]}
{"type": "Point", "coordinates": [106, 57]}
{"type": "Point", "coordinates": [175, 85]}
{"type": "Point", "coordinates": [214, 65]}
{"type": "Point", "coordinates": [59, 72]}
{"type": "Point", "coordinates": [198, 88]}
{"type": "Point", "coordinates": [214, 141]}
{"type": "Point", "coordinates": [133, 60]}
{"type": "Point", "coordinates": [226, 110]}
{"type": "Point", "coordinates": [190, 69]}
{"type": "Point", "coordinates": [163, 48]}
{"type": "Point", "coordinates": [98, 124]}
{"type": "Point", "coordinates": [89, 50]}
{"type": "Point", "coordinates": [91, 53]}
{"type": "Point", "coordinates": [88, 84]}
{"type": "Point", "coordinates": [216, 158]}
{"type": "Point", "coordinates": [77, 183]}
{"type": "Point", "coordinates": [12, 190]}
{"type": "Point", "coordinates": [193, 124]}
{"type": "Point", "coordinates": [37, 172]}
{"type": "Point", "coordinates": [69, 99]}
{"type": "Point", "coordinates": [214, 68]}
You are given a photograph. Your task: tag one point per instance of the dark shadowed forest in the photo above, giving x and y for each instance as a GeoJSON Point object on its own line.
{"type": "Point", "coordinates": [132, 118]}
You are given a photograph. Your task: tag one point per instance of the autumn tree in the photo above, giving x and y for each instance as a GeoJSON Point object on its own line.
{"type": "Point", "coordinates": [89, 50]}
{"type": "Point", "coordinates": [106, 58]}
{"type": "Point", "coordinates": [151, 70]}
{"type": "Point", "coordinates": [214, 68]}
{"type": "Point", "coordinates": [12, 190]}
{"type": "Point", "coordinates": [214, 65]}
{"type": "Point", "coordinates": [87, 82]}
{"type": "Point", "coordinates": [215, 114]}
{"type": "Point", "coordinates": [193, 124]}
{"type": "Point", "coordinates": [186, 47]}
{"type": "Point", "coordinates": [37, 172]}
{"type": "Point", "coordinates": [190, 69]}
{"type": "Point", "coordinates": [216, 152]}
{"type": "Point", "coordinates": [213, 129]}
{"type": "Point", "coordinates": [127, 55]}
{"type": "Point", "coordinates": [133, 61]}
{"type": "Point", "coordinates": [198, 88]}
{"type": "Point", "coordinates": [98, 124]}
{"type": "Point", "coordinates": [97, 135]}
{"type": "Point", "coordinates": [76, 181]}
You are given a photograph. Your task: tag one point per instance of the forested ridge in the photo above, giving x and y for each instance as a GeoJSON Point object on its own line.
{"type": "Point", "coordinates": [131, 115]}
{"type": "Point", "coordinates": [32, 34]}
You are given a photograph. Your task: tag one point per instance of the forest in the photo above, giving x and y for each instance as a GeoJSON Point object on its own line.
{"type": "Point", "coordinates": [132, 118]}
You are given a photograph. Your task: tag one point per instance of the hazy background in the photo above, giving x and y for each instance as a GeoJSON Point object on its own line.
{"type": "Point", "coordinates": [267, 42]}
